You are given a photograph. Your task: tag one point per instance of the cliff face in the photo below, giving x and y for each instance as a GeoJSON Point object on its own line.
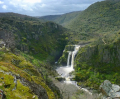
{"type": "Point", "coordinates": [97, 63]}
{"type": "Point", "coordinates": [41, 39]}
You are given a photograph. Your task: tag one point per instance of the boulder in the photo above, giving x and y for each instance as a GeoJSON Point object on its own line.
{"type": "Point", "coordinates": [2, 43]}
{"type": "Point", "coordinates": [105, 87]}
{"type": "Point", "coordinates": [116, 88]}
{"type": "Point", "coordinates": [110, 91]}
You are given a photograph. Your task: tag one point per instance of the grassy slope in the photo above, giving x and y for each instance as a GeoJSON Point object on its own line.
{"type": "Point", "coordinates": [18, 65]}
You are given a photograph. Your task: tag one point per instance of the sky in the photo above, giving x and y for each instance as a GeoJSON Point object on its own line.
{"type": "Point", "coordinates": [44, 7]}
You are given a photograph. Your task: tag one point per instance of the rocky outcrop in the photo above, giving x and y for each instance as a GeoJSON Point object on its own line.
{"type": "Point", "coordinates": [2, 43]}
{"type": "Point", "coordinates": [2, 96]}
{"type": "Point", "coordinates": [110, 91]}
{"type": "Point", "coordinates": [36, 89]}
{"type": "Point", "coordinates": [59, 78]}
{"type": "Point", "coordinates": [7, 38]}
{"type": "Point", "coordinates": [69, 47]}
{"type": "Point", "coordinates": [55, 89]}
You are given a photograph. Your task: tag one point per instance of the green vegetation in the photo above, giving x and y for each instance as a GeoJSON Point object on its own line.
{"type": "Point", "coordinates": [96, 21]}
{"type": "Point", "coordinates": [18, 65]}
{"type": "Point", "coordinates": [32, 45]}
{"type": "Point", "coordinates": [61, 19]}
{"type": "Point", "coordinates": [44, 41]}
{"type": "Point", "coordinates": [97, 63]}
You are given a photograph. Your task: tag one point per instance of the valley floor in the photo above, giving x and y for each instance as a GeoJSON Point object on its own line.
{"type": "Point", "coordinates": [70, 91]}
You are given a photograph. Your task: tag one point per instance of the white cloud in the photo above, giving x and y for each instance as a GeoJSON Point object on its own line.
{"type": "Point", "coordinates": [1, 2]}
{"type": "Point", "coordinates": [24, 2]}
{"type": "Point", "coordinates": [4, 7]}
{"type": "Point", "coordinates": [45, 7]}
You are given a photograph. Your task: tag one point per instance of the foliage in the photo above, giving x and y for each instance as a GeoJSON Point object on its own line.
{"type": "Point", "coordinates": [44, 41]}
{"type": "Point", "coordinates": [18, 65]}
{"type": "Point", "coordinates": [97, 63]}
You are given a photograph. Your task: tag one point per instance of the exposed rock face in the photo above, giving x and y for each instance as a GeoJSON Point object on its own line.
{"type": "Point", "coordinates": [2, 43]}
{"type": "Point", "coordinates": [110, 91]}
{"type": "Point", "coordinates": [55, 89]}
{"type": "Point", "coordinates": [37, 89]}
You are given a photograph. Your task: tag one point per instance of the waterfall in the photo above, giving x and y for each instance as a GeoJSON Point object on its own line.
{"type": "Point", "coordinates": [68, 60]}
{"type": "Point", "coordinates": [64, 71]}
{"type": "Point", "coordinates": [72, 55]}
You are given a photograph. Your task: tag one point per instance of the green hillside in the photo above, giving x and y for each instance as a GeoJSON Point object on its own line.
{"type": "Point", "coordinates": [99, 60]}
{"type": "Point", "coordinates": [28, 47]}
{"type": "Point", "coordinates": [49, 17]}
{"type": "Point", "coordinates": [61, 19]}
{"type": "Point", "coordinates": [43, 40]}
{"type": "Point", "coordinates": [99, 18]}
{"type": "Point", "coordinates": [17, 16]}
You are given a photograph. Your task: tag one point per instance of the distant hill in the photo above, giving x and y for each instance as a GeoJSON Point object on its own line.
{"type": "Point", "coordinates": [12, 15]}
{"type": "Point", "coordinates": [99, 17]}
{"type": "Point", "coordinates": [49, 17]}
{"type": "Point", "coordinates": [61, 19]}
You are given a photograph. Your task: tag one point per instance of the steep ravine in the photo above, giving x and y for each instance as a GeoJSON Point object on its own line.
{"type": "Point", "coordinates": [67, 86]}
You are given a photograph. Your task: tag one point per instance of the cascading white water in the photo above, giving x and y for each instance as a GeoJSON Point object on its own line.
{"type": "Point", "coordinates": [64, 71]}
{"type": "Point", "coordinates": [68, 60]}
{"type": "Point", "coordinates": [73, 54]}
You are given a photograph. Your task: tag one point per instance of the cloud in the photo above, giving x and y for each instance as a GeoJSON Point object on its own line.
{"type": "Point", "coordinates": [1, 2]}
{"type": "Point", "coordinates": [46, 7]}
{"type": "Point", "coordinates": [4, 7]}
{"type": "Point", "coordinates": [23, 2]}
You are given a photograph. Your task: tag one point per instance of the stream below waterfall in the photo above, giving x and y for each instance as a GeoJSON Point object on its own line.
{"type": "Point", "coordinates": [64, 71]}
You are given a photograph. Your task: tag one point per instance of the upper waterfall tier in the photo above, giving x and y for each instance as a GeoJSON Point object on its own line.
{"type": "Point", "coordinates": [71, 56]}
{"type": "Point", "coordinates": [68, 56]}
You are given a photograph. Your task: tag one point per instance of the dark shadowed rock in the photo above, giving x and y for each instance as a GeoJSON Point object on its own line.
{"type": "Point", "coordinates": [59, 78]}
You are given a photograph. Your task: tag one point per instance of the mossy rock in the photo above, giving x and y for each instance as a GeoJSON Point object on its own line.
{"type": "Point", "coordinates": [69, 48]}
